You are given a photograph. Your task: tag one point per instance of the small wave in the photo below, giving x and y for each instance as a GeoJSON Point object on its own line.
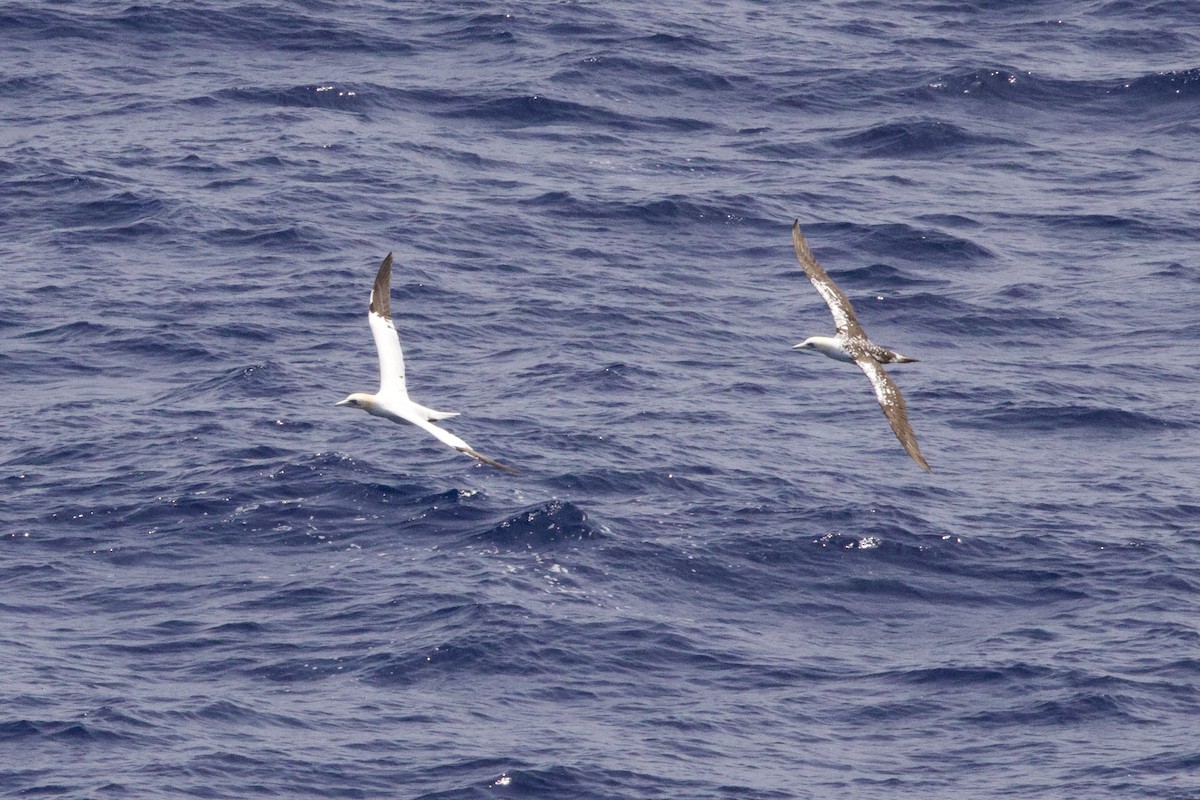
{"type": "Point", "coordinates": [962, 676]}
{"type": "Point", "coordinates": [284, 28]}
{"type": "Point", "coordinates": [70, 332]}
{"type": "Point", "coordinates": [74, 732]}
{"type": "Point", "coordinates": [488, 27]}
{"type": "Point", "coordinates": [1011, 85]}
{"type": "Point", "coordinates": [255, 380]}
{"type": "Point", "coordinates": [540, 111]}
{"type": "Point", "coordinates": [657, 211]}
{"type": "Point", "coordinates": [1108, 224]}
{"type": "Point", "coordinates": [531, 110]}
{"type": "Point", "coordinates": [878, 276]}
{"type": "Point", "coordinates": [973, 321]}
{"type": "Point", "coordinates": [1075, 417]}
{"type": "Point", "coordinates": [917, 243]}
{"type": "Point", "coordinates": [678, 43]}
{"type": "Point", "coordinates": [536, 527]}
{"type": "Point", "coordinates": [670, 78]}
{"type": "Point", "coordinates": [284, 237]}
{"type": "Point", "coordinates": [924, 138]}
{"type": "Point", "coordinates": [326, 96]}
{"type": "Point", "coordinates": [609, 481]}
{"type": "Point", "coordinates": [122, 208]}
{"type": "Point", "coordinates": [1161, 85]}
{"type": "Point", "coordinates": [1076, 710]}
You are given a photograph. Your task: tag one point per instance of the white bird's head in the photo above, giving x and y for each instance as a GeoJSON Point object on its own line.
{"type": "Point", "coordinates": [829, 346]}
{"type": "Point", "coordinates": [358, 400]}
{"type": "Point", "coordinates": [813, 344]}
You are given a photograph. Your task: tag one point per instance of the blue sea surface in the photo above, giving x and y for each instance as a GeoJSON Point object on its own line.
{"type": "Point", "coordinates": [718, 576]}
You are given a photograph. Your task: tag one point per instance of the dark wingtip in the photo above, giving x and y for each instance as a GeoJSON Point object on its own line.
{"type": "Point", "coordinates": [381, 300]}
{"type": "Point", "coordinates": [491, 462]}
{"type": "Point", "coordinates": [919, 458]}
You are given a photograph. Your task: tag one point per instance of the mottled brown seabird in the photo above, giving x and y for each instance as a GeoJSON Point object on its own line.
{"type": "Point", "coordinates": [850, 343]}
{"type": "Point", "coordinates": [391, 401]}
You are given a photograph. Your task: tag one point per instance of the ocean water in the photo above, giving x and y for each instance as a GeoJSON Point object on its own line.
{"type": "Point", "coordinates": [718, 575]}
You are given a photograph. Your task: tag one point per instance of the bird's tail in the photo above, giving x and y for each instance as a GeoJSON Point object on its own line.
{"type": "Point", "coordinates": [432, 416]}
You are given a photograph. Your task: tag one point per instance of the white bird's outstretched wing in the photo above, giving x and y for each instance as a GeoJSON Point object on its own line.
{"type": "Point", "coordinates": [446, 437]}
{"type": "Point", "coordinates": [839, 305]}
{"type": "Point", "coordinates": [387, 341]}
{"type": "Point", "coordinates": [892, 403]}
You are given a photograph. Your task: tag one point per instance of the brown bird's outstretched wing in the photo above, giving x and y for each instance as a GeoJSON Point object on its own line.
{"type": "Point", "coordinates": [892, 403]}
{"type": "Point", "coordinates": [839, 305]}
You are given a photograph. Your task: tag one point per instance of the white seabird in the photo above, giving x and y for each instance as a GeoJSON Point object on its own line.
{"type": "Point", "coordinates": [391, 401]}
{"type": "Point", "coordinates": [850, 343]}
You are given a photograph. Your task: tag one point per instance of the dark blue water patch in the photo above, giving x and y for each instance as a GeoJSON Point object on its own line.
{"type": "Point", "coordinates": [322, 96]}
{"type": "Point", "coordinates": [1167, 764]}
{"type": "Point", "coordinates": [305, 501]}
{"type": "Point", "coordinates": [677, 43]}
{"type": "Point", "coordinates": [1128, 227]}
{"type": "Point", "coordinates": [922, 138]}
{"type": "Point", "coordinates": [121, 209]}
{"type": "Point", "coordinates": [1144, 41]}
{"type": "Point", "coordinates": [1176, 271]}
{"type": "Point", "coordinates": [70, 333]}
{"type": "Point", "coordinates": [488, 28]}
{"type": "Point", "coordinates": [536, 111]}
{"type": "Point", "coordinates": [592, 25]}
{"type": "Point", "coordinates": [162, 344]}
{"type": "Point", "coordinates": [539, 527]}
{"type": "Point", "coordinates": [19, 729]}
{"type": "Point", "coordinates": [1161, 86]}
{"type": "Point", "coordinates": [629, 71]}
{"type": "Point", "coordinates": [287, 237]}
{"type": "Point", "coordinates": [1000, 324]}
{"type": "Point", "coordinates": [1182, 12]}
{"type": "Point", "coordinates": [41, 23]}
{"type": "Point", "coordinates": [193, 163]}
{"type": "Point", "coordinates": [1072, 418]}
{"type": "Point", "coordinates": [1025, 291]}
{"type": "Point", "coordinates": [964, 676]}
{"type": "Point", "coordinates": [963, 571]}
{"type": "Point", "coordinates": [59, 180]}
{"type": "Point", "coordinates": [467, 652]}
{"type": "Point", "coordinates": [669, 210]}
{"type": "Point", "coordinates": [285, 28]}
{"type": "Point", "coordinates": [254, 381]}
{"type": "Point", "coordinates": [897, 239]}
{"type": "Point", "coordinates": [532, 110]}
{"type": "Point", "coordinates": [289, 596]}
{"type": "Point", "coordinates": [614, 481]}
{"type": "Point", "coordinates": [949, 220]}
{"type": "Point", "coordinates": [1081, 708]}
{"type": "Point", "coordinates": [1005, 88]}
{"type": "Point", "coordinates": [593, 782]}
{"type": "Point", "coordinates": [1009, 85]}
{"type": "Point", "coordinates": [880, 278]}
{"type": "Point", "coordinates": [767, 147]}
{"type": "Point", "coordinates": [40, 731]}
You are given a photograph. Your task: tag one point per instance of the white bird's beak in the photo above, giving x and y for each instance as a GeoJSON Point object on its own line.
{"type": "Point", "coordinates": [345, 402]}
